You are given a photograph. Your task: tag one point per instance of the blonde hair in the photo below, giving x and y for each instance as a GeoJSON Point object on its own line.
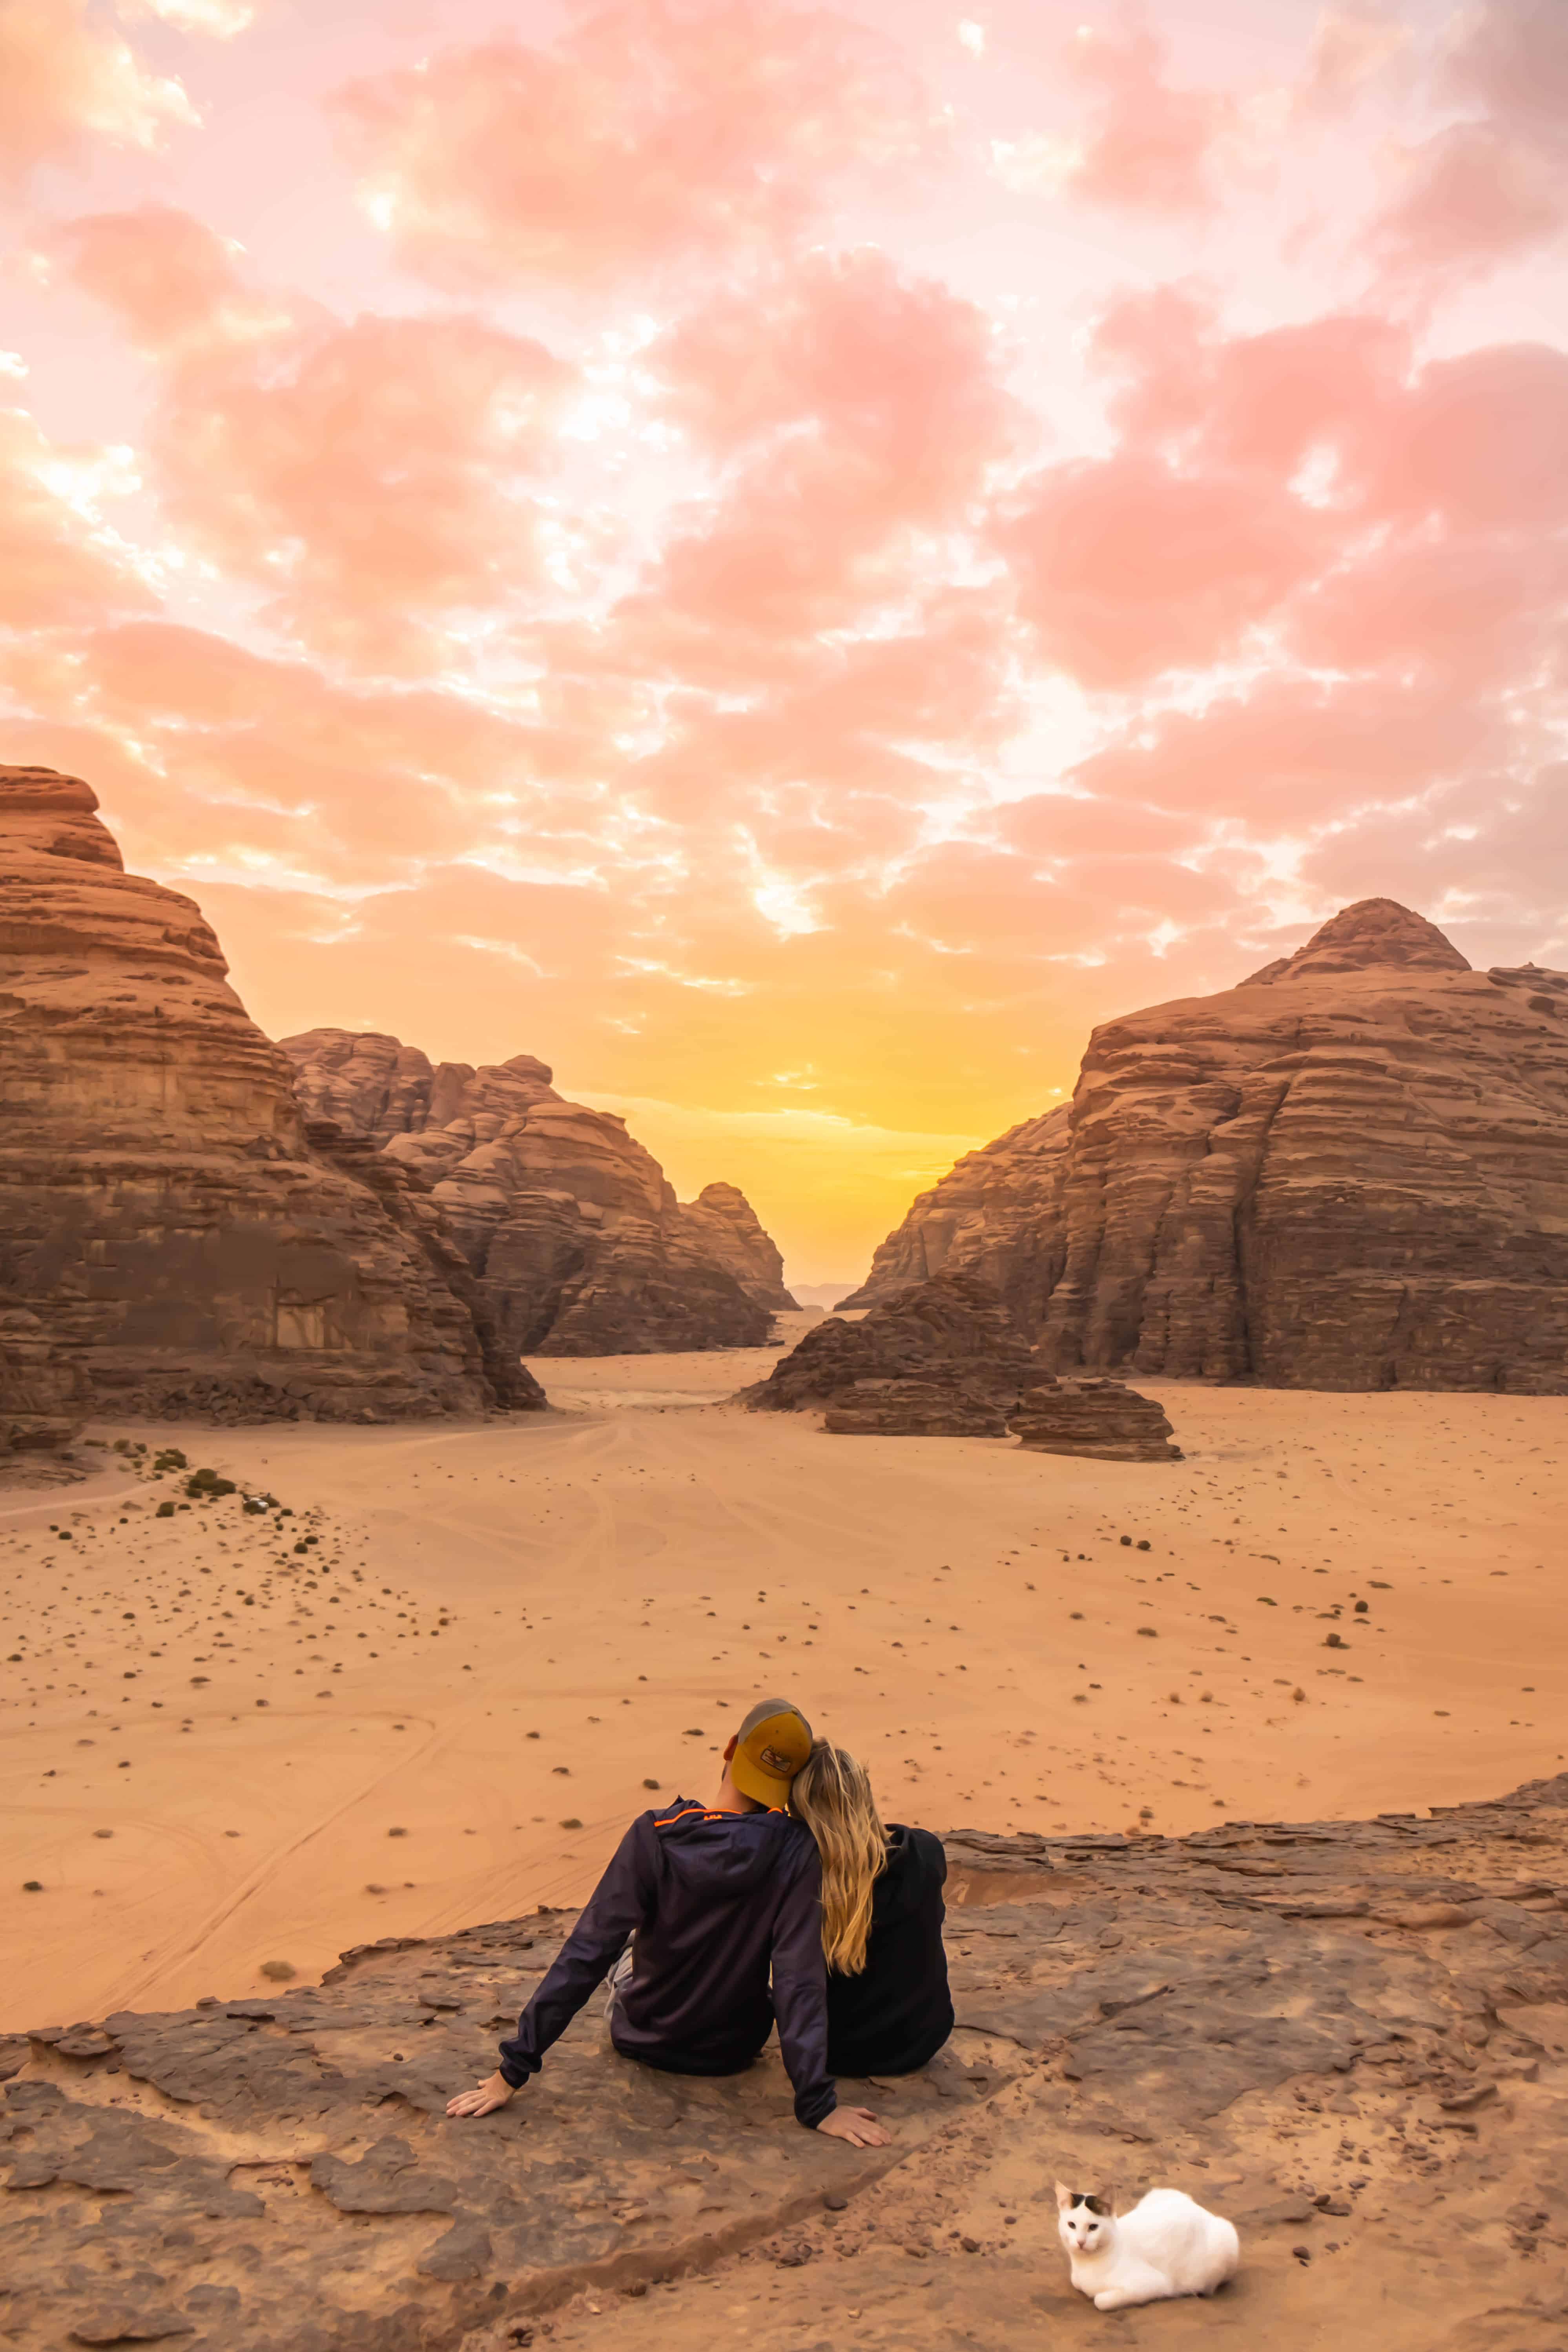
{"type": "Point", "coordinates": [832, 1795]}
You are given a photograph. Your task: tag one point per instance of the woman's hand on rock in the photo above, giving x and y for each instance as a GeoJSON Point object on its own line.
{"type": "Point", "coordinates": [490, 2095]}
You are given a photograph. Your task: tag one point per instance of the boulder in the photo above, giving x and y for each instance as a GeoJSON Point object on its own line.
{"type": "Point", "coordinates": [955, 1328]}
{"type": "Point", "coordinates": [1348, 1172]}
{"type": "Point", "coordinates": [946, 1360]}
{"type": "Point", "coordinates": [567, 1225]}
{"type": "Point", "coordinates": [932, 1405]}
{"type": "Point", "coordinates": [184, 1245]}
{"type": "Point", "coordinates": [1103, 1419]}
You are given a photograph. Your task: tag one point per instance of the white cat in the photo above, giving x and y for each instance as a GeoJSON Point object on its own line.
{"type": "Point", "coordinates": [1167, 2245]}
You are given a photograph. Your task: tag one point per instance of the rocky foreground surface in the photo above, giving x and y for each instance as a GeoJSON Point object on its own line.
{"type": "Point", "coordinates": [1352, 2037]}
{"type": "Point", "coordinates": [1350, 1172]}
{"type": "Point", "coordinates": [570, 1227]}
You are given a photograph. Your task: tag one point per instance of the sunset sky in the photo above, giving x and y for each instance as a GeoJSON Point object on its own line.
{"type": "Point", "coordinates": [790, 560]}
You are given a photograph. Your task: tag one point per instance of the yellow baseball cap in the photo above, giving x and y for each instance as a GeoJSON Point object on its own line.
{"type": "Point", "coordinates": [771, 1745]}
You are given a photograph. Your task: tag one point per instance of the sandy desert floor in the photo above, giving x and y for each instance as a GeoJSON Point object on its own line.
{"type": "Point", "coordinates": [233, 1743]}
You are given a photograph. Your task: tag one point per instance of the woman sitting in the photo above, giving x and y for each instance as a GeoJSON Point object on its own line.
{"type": "Point", "coordinates": [889, 2008]}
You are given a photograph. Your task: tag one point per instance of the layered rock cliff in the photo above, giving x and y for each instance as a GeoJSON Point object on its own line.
{"type": "Point", "coordinates": [723, 1225]}
{"type": "Point", "coordinates": [1350, 1172]}
{"type": "Point", "coordinates": [43, 1396]}
{"type": "Point", "coordinates": [568, 1227]}
{"type": "Point", "coordinates": [981, 1218]}
{"type": "Point", "coordinates": [182, 1241]}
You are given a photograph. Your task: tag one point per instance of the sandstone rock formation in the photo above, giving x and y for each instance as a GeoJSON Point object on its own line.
{"type": "Point", "coordinates": [1350, 1172]}
{"type": "Point", "coordinates": [1103, 1419]}
{"type": "Point", "coordinates": [931, 1404]}
{"type": "Point", "coordinates": [953, 1336]}
{"type": "Point", "coordinates": [1350, 2036]}
{"type": "Point", "coordinates": [43, 1398]}
{"type": "Point", "coordinates": [183, 1244]}
{"type": "Point", "coordinates": [981, 1218]}
{"type": "Point", "coordinates": [576, 1241]}
{"type": "Point", "coordinates": [945, 1359]}
{"type": "Point", "coordinates": [723, 1225]}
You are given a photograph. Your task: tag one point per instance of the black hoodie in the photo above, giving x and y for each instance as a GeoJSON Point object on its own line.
{"type": "Point", "coordinates": [896, 2015]}
{"type": "Point", "coordinates": [718, 1902]}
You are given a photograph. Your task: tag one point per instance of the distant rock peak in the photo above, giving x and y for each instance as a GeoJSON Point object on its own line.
{"type": "Point", "coordinates": [55, 816]}
{"type": "Point", "coordinates": [1358, 939]}
{"type": "Point", "coordinates": [723, 1224]}
{"type": "Point", "coordinates": [572, 1235]}
{"type": "Point", "coordinates": [25, 788]}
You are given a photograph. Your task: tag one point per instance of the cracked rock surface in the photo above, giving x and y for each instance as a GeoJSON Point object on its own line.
{"type": "Point", "coordinates": [1352, 2037]}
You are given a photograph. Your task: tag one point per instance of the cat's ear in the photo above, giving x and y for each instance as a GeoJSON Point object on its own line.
{"type": "Point", "coordinates": [1064, 2198]}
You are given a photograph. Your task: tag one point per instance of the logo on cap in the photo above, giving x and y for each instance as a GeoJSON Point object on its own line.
{"type": "Point", "coordinates": [784, 1765]}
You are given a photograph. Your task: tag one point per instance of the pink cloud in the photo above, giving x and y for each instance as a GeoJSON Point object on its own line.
{"type": "Point", "coordinates": [376, 478]}
{"type": "Point", "coordinates": [1351, 47]}
{"type": "Point", "coordinates": [1291, 753]}
{"type": "Point", "coordinates": [265, 766]}
{"type": "Point", "coordinates": [1268, 401]}
{"type": "Point", "coordinates": [1513, 57]}
{"type": "Point", "coordinates": [1060, 825]}
{"type": "Point", "coordinates": [840, 745]}
{"type": "Point", "coordinates": [1474, 197]}
{"type": "Point", "coordinates": [651, 133]}
{"type": "Point", "coordinates": [220, 19]}
{"type": "Point", "coordinates": [1153, 146]}
{"type": "Point", "coordinates": [63, 562]}
{"type": "Point", "coordinates": [1130, 567]}
{"type": "Point", "coordinates": [380, 474]}
{"type": "Point", "coordinates": [1482, 441]}
{"type": "Point", "coordinates": [1492, 187]}
{"type": "Point", "coordinates": [899, 371]}
{"type": "Point", "coordinates": [990, 930]}
{"type": "Point", "coordinates": [164, 275]}
{"type": "Point", "coordinates": [861, 409]}
{"type": "Point", "coordinates": [1473, 612]}
{"type": "Point", "coordinates": [1492, 858]}
{"type": "Point", "coordinates": [68, 79]}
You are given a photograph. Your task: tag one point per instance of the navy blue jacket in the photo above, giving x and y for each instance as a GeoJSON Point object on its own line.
{"type": "Point", "coordinates": [727, 1912]}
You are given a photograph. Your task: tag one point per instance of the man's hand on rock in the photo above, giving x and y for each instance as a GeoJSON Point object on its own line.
{"type": "Point", "coordinates": [484, 2101]}
{"type": "Point", "coordinates": [858, 2126]}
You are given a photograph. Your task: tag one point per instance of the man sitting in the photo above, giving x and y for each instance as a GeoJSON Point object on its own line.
{"type": "Point", "coordinates": [718, 1902]}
